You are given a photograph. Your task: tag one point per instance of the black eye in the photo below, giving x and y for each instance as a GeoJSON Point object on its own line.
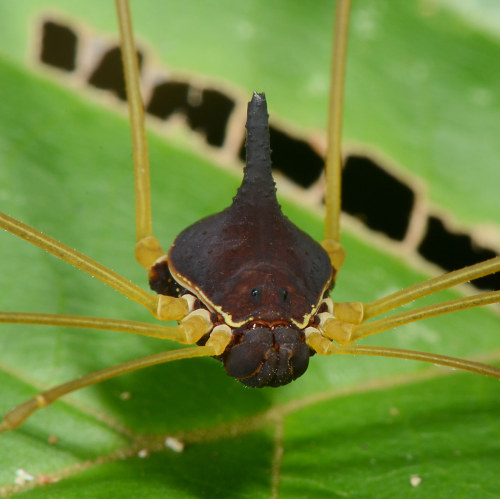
{"type": "Point", "coordinates": [284, 294]}
{"type": "Point", "coordinates": [255, 292]}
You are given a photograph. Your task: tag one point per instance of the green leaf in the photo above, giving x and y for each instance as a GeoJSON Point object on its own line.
{"type": "Point", "coordinates": [421, 92]}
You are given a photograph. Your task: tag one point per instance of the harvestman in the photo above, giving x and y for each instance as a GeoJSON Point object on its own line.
{"type": "Point", "coordinates": [274, 317]}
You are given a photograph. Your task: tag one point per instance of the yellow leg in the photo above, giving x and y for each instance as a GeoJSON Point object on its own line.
{"type": "Point", "coordinates": [324, 346]}
{"type": "Point", "coordinates": [147, 249]}
{"type": "Point", "coordinates": [335, 251]}
{"type": "Point", "coordinates": [346, 322]}
{"type": "Point", "coordinates": [165, 308]}
{"type": "Point", "coordinates": [189, 331]}
{"type": "Point", "coordinates": [431, 286]}
{"type": "Point", "coordinates": [348, 331]}
{"type": "Point", "coordinates": [19, 414]}
{"type": "Point", "coordinates": [216, 344]}
{"type": "Point", "coordinates": [333, 166]}
{"type": "Point", "coordinates": [418, 314]}
{"type": "Point", "coordinates": [333, 158]}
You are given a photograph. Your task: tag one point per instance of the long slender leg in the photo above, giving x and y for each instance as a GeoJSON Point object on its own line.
{"type": "Point", "coordinates": [345, 328]}
{"type": "Point", "coordinates": [333, 166]}
{"type": "Point", "coordinates": [215, 346]}
{"type": "Point", "coordinates": [418, 314]}
{"type": "Point", "coordinates": [163, 307]}
{"type": "Point", "coordinates": [431, 286]}
{"type": "Point", "coordinates": [345, 333]}
{"type": "Point", "coordinates": [147, 249]}
{"type": "Point", "coordinates": [189, 331]}
{"type": "Point", "coordinates": [319, 339]}
{"type": "Point", "coordinates": [345, 322]}
{"type": "Point", "coordinates": [323, 346]}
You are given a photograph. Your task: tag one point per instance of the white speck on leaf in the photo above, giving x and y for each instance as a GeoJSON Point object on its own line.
{"type": "Point", "coordinates": [22, 477]}
{"type": "Point", "coordinates": [125, 395]}
{"type": "Point", "coordinates": [415, 480]}
{"type": "Point", "coordinates": [174, 444]}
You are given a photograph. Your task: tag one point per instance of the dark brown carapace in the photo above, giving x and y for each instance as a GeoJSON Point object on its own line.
{"type": "Point", "coordinates": [254, 270]}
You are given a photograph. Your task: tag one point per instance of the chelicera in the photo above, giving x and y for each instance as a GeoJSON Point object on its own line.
{"type": "Point", "coordinates": [246, 285]}
{"type": "Point", "coordinates": [253, 270]}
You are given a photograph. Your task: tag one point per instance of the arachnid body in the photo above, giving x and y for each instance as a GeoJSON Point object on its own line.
{"type": "Point", "coordinates": [276, 277]}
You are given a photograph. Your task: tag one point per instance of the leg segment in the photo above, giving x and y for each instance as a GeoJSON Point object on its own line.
{"type": "Point", "coordinates": [418, 314]}
{"type": "Point", "coordinates": [431, 286]}
{"type": "Point", "coordinates": [165, 308]}
{"type": "Point", "coordinates": [216, 344]}
{"type": "Point", "coordinates": [323, 346]}
{"type": "Point", "coordinates": [333, 167]}
{"type": "Point", "coordinates": [346, 322]}
{"type": "Point", "coordinates": [333, 158]}
{"type": "Point", "coordinates": [19, 414]}
{"type": "Point", "coordinates": [147, 249]}
{"type": "Point", "coordinates": [189, 331]}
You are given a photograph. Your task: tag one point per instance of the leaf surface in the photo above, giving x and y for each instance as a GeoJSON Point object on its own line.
{"type": "Point", "coordinates": [420, 91]}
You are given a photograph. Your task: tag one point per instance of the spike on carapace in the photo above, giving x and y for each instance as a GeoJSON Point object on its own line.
{"type": "Point", "coordinates": [258, 187]}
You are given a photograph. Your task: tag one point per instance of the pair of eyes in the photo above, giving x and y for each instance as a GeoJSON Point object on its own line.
{"type": "Point", "coordinates": [257, 292]}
